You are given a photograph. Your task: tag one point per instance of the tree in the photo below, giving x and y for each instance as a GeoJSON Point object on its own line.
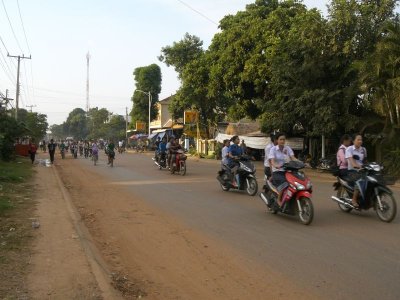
{"type": "Point", "coordinates": [148, 79]}
{"type": "Point", "coordinates": [76, 124]}
{"type": "Point", "coordinates": [181, 53]}
{"type": "Point", "coordinates": [115, 128]}
{"type": "Point", "coordinates": [97, 122]}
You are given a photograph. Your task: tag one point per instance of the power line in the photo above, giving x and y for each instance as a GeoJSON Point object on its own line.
{"type": "Point", "coordinates": [12, 29]}
{"type": "Point", "coordinates": [5, 61]}
{"type": "Point", "coordinates": [23, 27]}
{"type": "Point", "coordinates": [17, 93]}
{"type": "Point", "coordinates": [29, 49]}
{"type": "Point", "coordinates": [198, 12]}
{"type": "Point", "coordinates": [3, 44]}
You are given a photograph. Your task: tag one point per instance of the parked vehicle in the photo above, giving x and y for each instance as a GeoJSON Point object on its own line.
{"type": "Point", "coordinates": [374, 193]}
{"type": "Point", "coordinates": [296, 198]}
{"type": "Point", "coordinates": [247, 179]}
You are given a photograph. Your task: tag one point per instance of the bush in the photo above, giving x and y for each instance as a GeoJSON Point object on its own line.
{"type": "Point", "coordinates": [10, 131]}
{"type": "Point", "coordinates": [391, 163]}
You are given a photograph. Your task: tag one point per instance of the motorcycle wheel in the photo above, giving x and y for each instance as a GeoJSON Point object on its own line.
{"type": "Point", "coordinates": [172, 170]}
{"type": "Point", "coordinates": [224, 187]}
{"type": "Point", "coordinates": [388, 213]}
{"type": "Point", "coordinates": [182, 169]}
{"type": "Point", "coordinates": [252, 187]}
{"type": "Point", "coordinates": [342, 193]}
{"type": "Point", "coordinates": [307, 207]}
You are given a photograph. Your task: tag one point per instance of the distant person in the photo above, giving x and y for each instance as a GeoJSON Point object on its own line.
{"type": "Point", "coordinates": [224, 153]}
{"type": "Point", "coordinates": [52, 149]}
{"type": "Point", "coordinates": [32, 151]}
{"type": "Point", "coordinates": [267, 150]}
{"type": "Point", "coordinates": [44, 146]}
{"type": "Point", "coordinates": [244, 147]}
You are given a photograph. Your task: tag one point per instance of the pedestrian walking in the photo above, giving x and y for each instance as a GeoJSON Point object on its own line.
{"type": "Point", "coordinates": [52, 149]}
{"type": "Point", "coordinates": [32, 151]}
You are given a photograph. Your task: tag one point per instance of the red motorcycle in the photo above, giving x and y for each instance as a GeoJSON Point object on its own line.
{"type": "Point", "coordinates": [179, 165]}
{"type": "Point", "coordinates": [296, 197]}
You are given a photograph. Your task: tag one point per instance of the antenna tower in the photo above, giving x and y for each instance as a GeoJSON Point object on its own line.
{"type": "Point", "coordinates": [87, 83]}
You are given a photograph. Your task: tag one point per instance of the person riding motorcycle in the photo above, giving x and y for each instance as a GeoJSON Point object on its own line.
{"type": "Point", "coordinates": [173, 148]}
{"type": "Point", "coordinates": [110, 151]}
{"type": "Point", "coordinates": [356, 156]}
{"type": "Point", "coordinates": [267, 164]}
{"type": "Point", "coordinates": [224, 153]}
{"type": "Point", "coordinates": [279, 155]}
{"type": "Point", "coordinates": [341, 155]}
{"type": "Point", "coordinates": [234, 152]}
{"type": "Point", "coordinates": [162, 147]}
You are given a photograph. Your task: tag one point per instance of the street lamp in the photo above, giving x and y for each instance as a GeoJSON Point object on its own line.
{"type": "Point", "coordinates": [148, 94]}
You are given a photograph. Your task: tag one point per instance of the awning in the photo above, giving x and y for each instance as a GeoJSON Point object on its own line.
{"type": "Point", "coordinates": [261, 142]}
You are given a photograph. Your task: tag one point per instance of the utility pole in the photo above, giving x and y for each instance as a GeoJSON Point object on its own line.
{"type": "Point", "coordinates": [87, 82]}
{"type": "Point", "coordinates": [5, 99]}
{"type": "Point", "coordinates": [126, 127]}
{"type": "Point", "coordinates": [30, 106]}
{"type": "Point", "coordinates": [17, 93]}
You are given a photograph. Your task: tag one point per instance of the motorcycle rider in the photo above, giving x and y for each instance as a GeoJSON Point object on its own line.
{"type": "Point", "coordinates": [173, 148]}
{"type": "Point", "coordinates": [162, 148]}
{"type": "Point", "coordinates": [279, 155]}
{"type": "Point", "coordinates": [234, 152]}
{"type": "Point", "coordinates": [157, 145]}
{"type": "Point", "coordinates": [267, 165]}
{"type": "Point", "coordinates": [110, 151]}
{"type": "Point", "coordinates": [356, 156]}
{"type": "Point", "coordinates": [342, 163]}
{"type": "Point", "coordinates": [224, 152]}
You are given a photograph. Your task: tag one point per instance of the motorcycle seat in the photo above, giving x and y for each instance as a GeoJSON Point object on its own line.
{"type": "Point", "coordinates": [345, 184]}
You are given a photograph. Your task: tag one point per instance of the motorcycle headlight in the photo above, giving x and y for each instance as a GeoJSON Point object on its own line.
{"type": "Point", "coordinates": [299, 186]}
{"type": "Point", "coordinates": [309, 185]}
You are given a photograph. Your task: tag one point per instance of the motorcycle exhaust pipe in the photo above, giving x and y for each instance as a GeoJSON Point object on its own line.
{"type": "Point", "coordinates": [264, 199]}
{"type": "Point", "coordinates": [341, 201]}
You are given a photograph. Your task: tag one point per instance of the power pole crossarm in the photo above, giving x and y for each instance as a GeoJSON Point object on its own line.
{"type": "Point", "coordinates": [19, 57]}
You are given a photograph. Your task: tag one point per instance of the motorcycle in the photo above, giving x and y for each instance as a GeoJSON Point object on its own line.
{"type": "Point", "coordinates": [296, 198]}
{"type": "Point", "coordinates": [74, 152]}
{"type": "Point", "coordinates": [86, 152]}
{"type": "Point", "coordinates": [374, 193]}
{"type": "Point", "coordinates": [62, 153]}
{"type": "Point", "coordinates": [80, 150]}
{"type": "Point", "coordinates": [247, 179]}
{"type": "Point", "coordinates": [111, 157]}
{"type": "Point", "coordinates": [179, 165]}
{"type": "Point", "coordinates": [160, 160]}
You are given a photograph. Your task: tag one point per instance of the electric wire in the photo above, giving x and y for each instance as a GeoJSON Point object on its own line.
{"type": "Point", "coordinates": [12, 29]}
{"type": "Point", "coordinates": [8, 72]}
{"type": "Point", "coordinates": [29, 49]}
{"type": "Point", "coordinates": [198, 12]}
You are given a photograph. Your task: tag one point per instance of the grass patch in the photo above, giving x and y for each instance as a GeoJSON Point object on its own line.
{"type": "Point", "coordinates": [17, 206]}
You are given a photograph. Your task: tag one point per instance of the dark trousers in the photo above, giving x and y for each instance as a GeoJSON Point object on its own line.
{"type": "Point", "coordinates": [32, 156]}
{"type": "Point", "coordinates": [51, 156]}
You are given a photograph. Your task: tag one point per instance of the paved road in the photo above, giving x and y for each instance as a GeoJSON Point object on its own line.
{"type": "Point", "coordinates": [340, 256]}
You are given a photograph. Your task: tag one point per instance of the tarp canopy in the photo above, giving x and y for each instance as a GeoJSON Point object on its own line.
{"type": "Point", "coordinates": [261, 142]}
{"type": "Point", "coordinates": [138, 136]}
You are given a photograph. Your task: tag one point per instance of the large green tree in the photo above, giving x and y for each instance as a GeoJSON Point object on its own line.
{"type": "Point", "coordinates": [147, 79]}
{"type": "Point", "coordinates": [76, 124]}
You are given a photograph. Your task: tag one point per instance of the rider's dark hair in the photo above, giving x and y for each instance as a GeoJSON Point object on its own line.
{"type": "Point", "coordinates": [279, 134]}
{"type": "Point", "coordinates": [356, 135]}
{"type": "Point", "coordinates": [234, 138]}
{"type": "Point", "coordinates": [345, 137]}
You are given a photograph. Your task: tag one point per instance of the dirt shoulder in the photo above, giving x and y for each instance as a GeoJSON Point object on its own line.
{"type": "Point", "coordinates": [59, 266]}
{"type": "Point", "coordinates": [153, 255]}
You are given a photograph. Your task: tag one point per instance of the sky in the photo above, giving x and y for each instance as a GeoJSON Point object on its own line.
{"type": "Point", "coordinates": [120, 35]}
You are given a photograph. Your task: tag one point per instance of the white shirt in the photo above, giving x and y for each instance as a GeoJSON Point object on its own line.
{"type": "Point", "coordinates": [352, 150]}
{"type": "Point", "coordinates": [225, 151]}
{"type": "Point", "coordinates": [280, 156]}
{"type": "Point", "coordinates": [120, 143]}
{"type": "Point", "coordinates": [266, 154]}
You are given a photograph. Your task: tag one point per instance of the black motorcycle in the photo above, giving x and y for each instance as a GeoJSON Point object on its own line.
{"type": "Point", "coordinates": [160, 160]}
{"type": "Point", "coordinates": [374, 193]}
{"type": "Point", "coordinates": [247, 179]}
